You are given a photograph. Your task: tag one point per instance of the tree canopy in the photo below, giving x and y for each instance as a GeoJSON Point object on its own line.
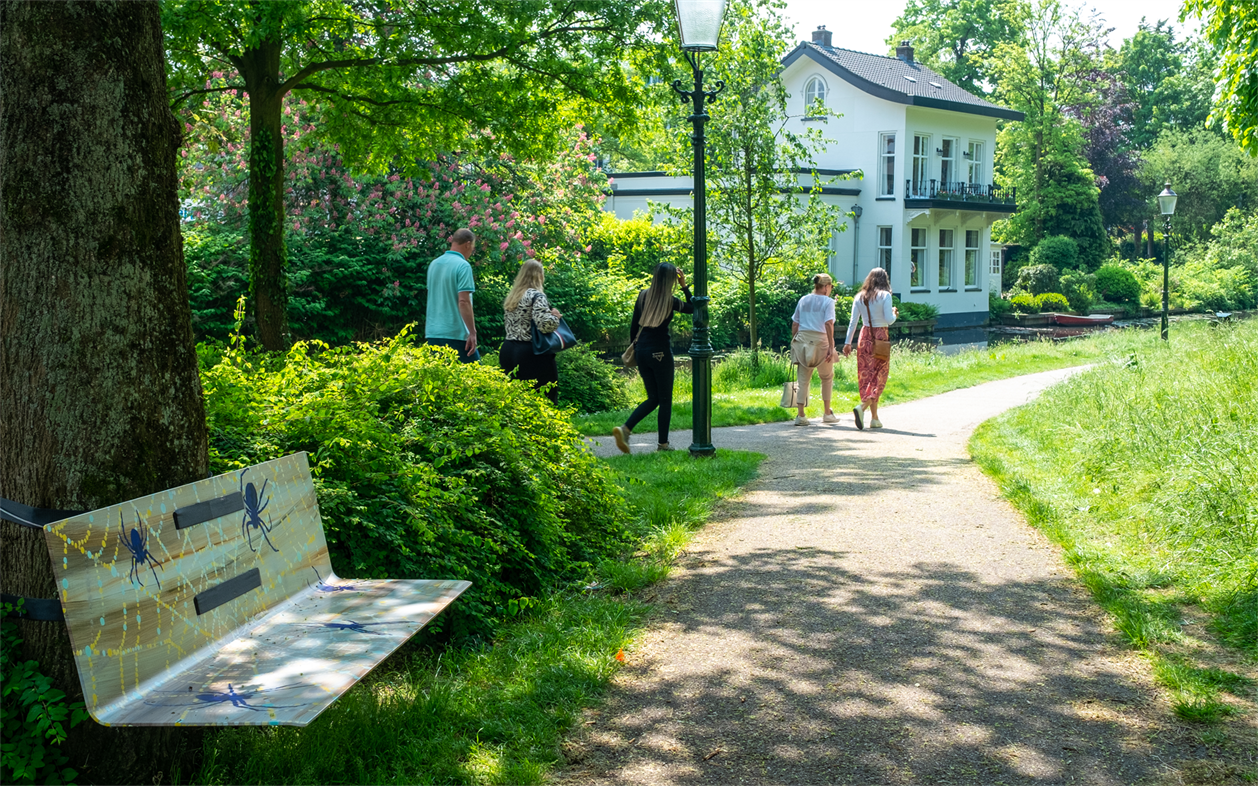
{"type": "Point", "coordinates": [1232, 26]}
{"type": "Point", "coordinates": [957, 38]}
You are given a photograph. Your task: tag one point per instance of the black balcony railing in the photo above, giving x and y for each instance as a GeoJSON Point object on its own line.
{"type": "Point", "coordinates": [959, 191]}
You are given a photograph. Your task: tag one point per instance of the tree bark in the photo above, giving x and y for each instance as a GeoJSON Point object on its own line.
{"type": "Point", "coordinates": [100, 399]}
{"type": "Point", "coordinates": [268, 278]}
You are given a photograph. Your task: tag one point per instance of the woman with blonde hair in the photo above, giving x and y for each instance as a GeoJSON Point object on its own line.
{"type": "Point", "coordinates": [873, 306]}
{"type": "Point", "coordinates": [526, 305]}
{"type": "Point", "coordinates": [653, 347]}
{"type": "Point", "coordinates": [812, 346]}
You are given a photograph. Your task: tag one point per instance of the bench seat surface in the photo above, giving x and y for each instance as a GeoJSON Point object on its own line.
{"type": "Point", "coordinates": [234, 620]}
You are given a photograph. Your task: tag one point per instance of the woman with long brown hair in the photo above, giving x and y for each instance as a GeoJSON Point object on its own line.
{"type": "Point", "coordinates": [525, 306]}
{"type": "Point", "coordinates": [872, 305]}
{"type": "Point", "coordinates": [653, 347]}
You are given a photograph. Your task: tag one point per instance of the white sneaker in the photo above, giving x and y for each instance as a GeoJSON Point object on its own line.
{"type": "Point", "coordinates": [875, 423]}
{"type": "Point", "coordinates": [621, 435]}
{"type": "Point", "coordinates": [858, 413]}
{"type": "Point", "coordinates": [830, 417]}
{"type": "Point", "coordinates": [800, 420]}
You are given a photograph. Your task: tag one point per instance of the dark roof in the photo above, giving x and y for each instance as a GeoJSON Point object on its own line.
{"type": "Point", "coordinates": [895, 80]}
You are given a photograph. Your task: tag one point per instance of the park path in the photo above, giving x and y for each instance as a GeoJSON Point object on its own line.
{"type": "Point", "coordinates": [871, 611]}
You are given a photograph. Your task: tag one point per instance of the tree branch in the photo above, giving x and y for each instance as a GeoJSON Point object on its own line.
{"type": "Point", "coordinates": [191, 93]}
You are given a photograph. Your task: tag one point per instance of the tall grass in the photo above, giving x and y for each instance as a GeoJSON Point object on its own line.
{"type": "Point", "coordinates": [1146, 470]}
{"type": "Point", "coordinates": [496, 713]}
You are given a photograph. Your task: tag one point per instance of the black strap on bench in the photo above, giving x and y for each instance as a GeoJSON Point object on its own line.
{"type": "Point", "coordinates": [38, 609]}
{"type": "Point", "coordinates": [208, 510]}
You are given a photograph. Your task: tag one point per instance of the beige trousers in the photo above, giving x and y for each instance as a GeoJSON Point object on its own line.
{"type": "Point", "coordinates": [808, 351]}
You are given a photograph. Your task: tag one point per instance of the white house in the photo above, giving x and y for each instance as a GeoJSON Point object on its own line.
{"type": "Point", "coordinates": [925, 206]}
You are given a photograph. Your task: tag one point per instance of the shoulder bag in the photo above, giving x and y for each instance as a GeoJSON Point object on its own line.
{"type": "Point", "coordinates": [554, 342]}
{"type": "Point", "coordinates": [882, 349]}
{"type": "Point", "coordinates": [630, 356]}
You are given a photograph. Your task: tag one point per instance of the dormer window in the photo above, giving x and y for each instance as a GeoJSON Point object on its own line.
{"type": "Point", "coordinates": [814, 91]}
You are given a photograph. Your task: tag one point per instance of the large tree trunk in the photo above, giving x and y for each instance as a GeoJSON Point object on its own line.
{"type": "Point", "coordinates": [267, 254]}
{"type": "Point", "coordinates": [100, 400]}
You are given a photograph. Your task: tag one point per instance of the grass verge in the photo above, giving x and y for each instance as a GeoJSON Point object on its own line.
{"type": "Point", "coordinates": [743, 394]}
{"type": "Point", "coordinates": [1146, 472]}
{"type": "Point", "coordinates": [497, 713]}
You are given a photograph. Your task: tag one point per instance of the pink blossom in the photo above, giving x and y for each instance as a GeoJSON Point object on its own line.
{"type": "Point", "coordinates": [503, 245]}
{"type": "Point", "coordinates": [518, 236]}
{"type": "Point", "coordinates": [485, 187]}
{"type": "Point", "coordinates": [528, 243]}
{"type": "Point", "coordinates": [393, 178]}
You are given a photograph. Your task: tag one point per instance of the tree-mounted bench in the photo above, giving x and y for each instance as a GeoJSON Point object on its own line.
{"type": "Point", "coordinates": [215, 604]}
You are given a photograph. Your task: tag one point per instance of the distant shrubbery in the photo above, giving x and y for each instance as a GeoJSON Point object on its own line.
{"type": "Point", "coordinates": [1052, 301]}
{"type": "Point", "coordinates": [1024, 303]}
{"type": "Point", "coordinates": [1117, 284]}
{"type": "Point", "coordinates": [1037, 279]}
{"type": "Point", "coordinates": [1058, 251]}
{"type": "Point", "coordinates": [424, 468]}
{"type": "Point", "coordinates": [588, 383]}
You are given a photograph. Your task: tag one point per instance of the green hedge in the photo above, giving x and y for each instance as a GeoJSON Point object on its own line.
{"type": "Point", "coordinates": [424, 468]}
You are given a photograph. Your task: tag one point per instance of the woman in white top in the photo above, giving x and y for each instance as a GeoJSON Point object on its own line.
{"type": "Point", "coordinates": [872, 305]}
{"type": "Point", "coordinates": [812, 345]}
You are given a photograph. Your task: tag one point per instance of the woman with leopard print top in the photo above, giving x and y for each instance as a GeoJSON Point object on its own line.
{"type": "Point", "coordinates": [525, 306]}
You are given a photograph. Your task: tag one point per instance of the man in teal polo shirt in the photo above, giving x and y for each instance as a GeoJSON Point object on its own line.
{"type": "Point", "coordinates": [450, 321]}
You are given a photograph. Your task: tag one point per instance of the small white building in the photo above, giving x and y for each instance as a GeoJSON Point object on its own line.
{"type": "Point", "coordinates": [925, 206]}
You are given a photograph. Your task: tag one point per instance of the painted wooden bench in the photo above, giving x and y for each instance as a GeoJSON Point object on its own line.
{"type": "Point", "coordinates": [215, 604]}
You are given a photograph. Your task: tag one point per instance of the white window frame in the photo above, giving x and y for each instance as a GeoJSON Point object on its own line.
{"type": "Point", "coordinates": [971, 257]}
{"type": "Point", "coordinates": [920, 173]}
{"type": "Point", "coordinates": [810, 95]}
{"type": "Point", "coordinates": [885, 236]}
{"type": "Point", "coordinates": [974, 166]}
{"type": "Point", "coordinates": [948, 172]}
{"type": "Point", "coordinates": [886, 164]}
{"type": "Point", "coordinates": [917, 257]}
{"type": "Point", "coordinates": [997, 263]}
{"type": "Point", "coordinates": [947, 253]}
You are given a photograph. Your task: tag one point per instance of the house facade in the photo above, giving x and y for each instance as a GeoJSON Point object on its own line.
{"type": "Point", "coordinates": [924, 207]}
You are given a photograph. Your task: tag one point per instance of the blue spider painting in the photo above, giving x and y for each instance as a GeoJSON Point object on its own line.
{"type": "Point", "coordinates": [237, 698]}
{"type": "Point", "coordinates": [356, 627]}
{"type": "Point", "coordinates": [321, 587]}
{"type": "Point", "coordinates": [253, 512]}
{"type": "Point", "coordinates": [137, 544]}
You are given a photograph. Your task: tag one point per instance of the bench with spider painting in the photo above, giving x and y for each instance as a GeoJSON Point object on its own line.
{"type": "Point", "coordinates": [215, 604]}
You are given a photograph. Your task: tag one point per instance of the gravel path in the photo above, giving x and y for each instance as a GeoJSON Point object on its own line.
{"type": "Point", "coordinates": [870, 611]}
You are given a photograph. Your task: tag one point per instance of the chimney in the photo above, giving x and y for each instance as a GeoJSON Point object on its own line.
{"type": "Point", "coordinates": [821, 36]}
{"type": "Point", "coordinates": [904, 51]}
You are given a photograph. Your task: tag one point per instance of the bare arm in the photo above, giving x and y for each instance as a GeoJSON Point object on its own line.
{"type": "Point", "coordinates": [829, 338]}
{"type": "Point", "coordinates": [469, 320]}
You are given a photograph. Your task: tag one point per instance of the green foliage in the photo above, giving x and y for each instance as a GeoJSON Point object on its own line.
{"type": "Point", "coordinates": [1117, 284]}
{"type": "Point", "coordinates": [1024, 303]}
{"type": "Point", "coordinates": [33, 713]}
{"type": "Point", "coordinates": [776, 298]}
{"type": "Point", "coordinates": [1038, 279]}
{"type": "Point", "coordinates": [424, 468]}
{"type": "Point", "coordinates": [914, 312]}
{"type": "Point", "coordinates": [1222, 274]}
{"type": "Point", "coordinates": [1170, 82]}
{"type": "Point", "coordinates": [1232, 26]}
{"type": "Point", "coordinates": [997, 306]}
{"type": "Point", "coordinates": [588, 383]}
{"type": "Point", "coordinates": [743, 368]}
{"type": "Point", "coordinates": [1057, 251]}
{"type": "Point", "coordinates": [1080, 291]}
{"type": "Point", "coordinates": [957, 38]}
{"type": "Point", "coordinates": [634, 247]}
{"type": "Point", "coordinates": [1211, 174]}
{"type": "Point", "coordinates": [1052, 301]}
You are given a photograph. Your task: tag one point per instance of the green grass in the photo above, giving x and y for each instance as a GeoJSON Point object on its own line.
{"type": "Point", "coordinates": [743, 395]}
{"type": "Point", "coordinates": [497, 713]}
{"type": "Point", "coordinates": [1146, 472]}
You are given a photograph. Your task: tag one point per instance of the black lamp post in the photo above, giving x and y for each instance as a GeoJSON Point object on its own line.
{"type": "Point", "coordinates": [699, 22]}
{"type": "Point", "coordinates": [1166, 203]}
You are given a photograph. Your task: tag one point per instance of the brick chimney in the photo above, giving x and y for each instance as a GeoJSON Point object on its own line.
{"type": "Point", "coordinates": [822, 36]}
{"type": "Point", "coordinates": [904, 51]}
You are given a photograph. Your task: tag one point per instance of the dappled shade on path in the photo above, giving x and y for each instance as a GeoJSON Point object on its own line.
{"type": "Point", "coordinates": [871, 612]}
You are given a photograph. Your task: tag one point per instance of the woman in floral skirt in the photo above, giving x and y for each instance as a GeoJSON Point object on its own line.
{"type": "Point", "coordinates": [872, 305]}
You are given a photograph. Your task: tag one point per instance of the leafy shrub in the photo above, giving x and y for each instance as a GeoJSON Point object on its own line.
{"type": "Point", "coordinates": [742, 369]}
{"type": "Point", "coordinates": [1222, 274]}
{"type": "Point", "coordinates": [588, 383]}
{"type": "Point", "coordinates": [1117, 284]}
{"type": "Point", "coordinates": [1080, 291]}
{"type": "Point", "coordinates": [33, 713]}
{"type": "Point", "coordinates": [1024, 303]}
{"type": "Point", "coordinates": [1052, 301]}
{"type": "Point", "coordinates": [775, 303]}
{"type": "Point", "coordinates": [635, 246]}
{"type": "Point", "coordinates": [424, 468]}
{"type": "Point", "coordinates": [1038, 279]}
{"type": "Point", "coordinates": [998, 306]}
{"type": "Point", "coordinates": [1057, 251]}
{"type": "Point", "coordinates": [911, 311]}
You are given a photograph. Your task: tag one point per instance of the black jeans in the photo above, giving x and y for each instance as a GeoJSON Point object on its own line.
{"type": "Point", "coordinates": [655, 364]}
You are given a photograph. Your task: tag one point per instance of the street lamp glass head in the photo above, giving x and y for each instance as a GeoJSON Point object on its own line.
{"type": "Point", "coordinates": [699, 22]}
{"type": "Point", "coordinates": [1166, 200]}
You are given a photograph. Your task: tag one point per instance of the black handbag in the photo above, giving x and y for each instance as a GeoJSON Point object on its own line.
{"type": "Point", "coordinates": [556, 341]}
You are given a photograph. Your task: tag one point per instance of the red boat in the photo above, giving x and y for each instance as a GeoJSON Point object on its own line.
{"type": "Point", "coordinates": [1074, 320]}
